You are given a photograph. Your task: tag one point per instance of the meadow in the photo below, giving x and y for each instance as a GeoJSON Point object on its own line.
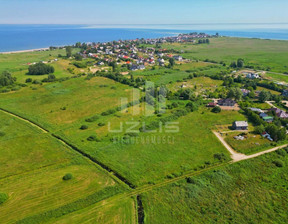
{"type": "Point", "coordinates": [83, 110]}
{"type": "Point", "coordinates": [267, 54]}
{"type": "Point", "coordinates": [17, 63]}
{"type": "Point", "coordinates": [251, 191]}
{"type": "Point", "coordinates": [123, 212]}
{"type": "Point", "coordinates": [61, 105]}
{"type": "Point", "coordinates": [32, 166]}
{"type": "Point", "coordinates": [146, 161]}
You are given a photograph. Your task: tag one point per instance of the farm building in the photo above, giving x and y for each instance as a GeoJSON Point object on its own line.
{"type": "Point", "coordinates": [240, 125]}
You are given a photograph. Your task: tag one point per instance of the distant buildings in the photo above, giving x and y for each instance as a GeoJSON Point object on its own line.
{"type": "Point", "coordinates": [252, 76]}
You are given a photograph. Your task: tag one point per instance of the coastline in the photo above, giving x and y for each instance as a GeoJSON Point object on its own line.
{"type": "Point", "coordinates": [25, 51]}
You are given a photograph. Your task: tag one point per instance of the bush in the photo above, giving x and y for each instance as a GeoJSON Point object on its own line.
{"type": "Point", "coordinates": [36, 82]}
{"type": "Point", "coordinates": [68, 176]}
{"type": "Point", "coordinates": [281, 152]}
{"type": "Point", "coordinates": [6, 79]}
{"type": "Point", "coordinates": [219, 156]}
{"type": "Point", "coordinates": [3, 197]}
{"type": "Point", "coordinates": [190, 180]}
{"type": "Point", "coordinates": [40, 69]}
{"type": "Point", "coordinates": [92, 119]}
{"type": "Point", "coordinates": [84, 127]}
{"type": "Point", "coordinates": [93, 138]}
{"type": "Point", "coordinates": [2, 133]}
{"type": "Point", "coordinates": [108, 112]}
{"type": "Point", "coordinates": [216, 110]}
{"type": "Point", "coordinates": [28, 80]}
{"type": "Point", "coordinates": [101, 124]}
{"type": "Point", "coordinates": [278, 163]}
{"type": "Point", "coordinates": [80, 64]}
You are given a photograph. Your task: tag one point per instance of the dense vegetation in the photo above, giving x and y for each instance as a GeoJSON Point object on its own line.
{"type": "Point", "coordinates": [6, 79]}
{"type": "Point", "coordinates": [252, 191]}
{"type": "Point", "coordinates": [40, 69]}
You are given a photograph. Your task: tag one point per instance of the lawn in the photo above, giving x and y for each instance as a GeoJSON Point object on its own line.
{"type": "Point", "coordinates": [263, 53]}
{"type": "Point", "coordinates": [32, 165]}
{"type": "Point", "coordinates": [253, 191]}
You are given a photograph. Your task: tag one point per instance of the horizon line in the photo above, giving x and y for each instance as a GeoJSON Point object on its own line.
{"type": "Point", "coordinates": [141, 23]}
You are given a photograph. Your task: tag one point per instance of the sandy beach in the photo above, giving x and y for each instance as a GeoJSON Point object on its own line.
{"type": "Point", "coordinates": [23, 51]}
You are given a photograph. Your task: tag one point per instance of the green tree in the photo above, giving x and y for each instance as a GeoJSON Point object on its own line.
{"type": "Point", "coordinates": [172, 62]}
{"type": "Point", "coordinates": [259, 129]}
{"type": "Point", "coordinates": [68, 51]}
{"type": "Point", "coordinates": [40, 69]}
{"type": "Point", "coordinates": [216, 109]}
{"type": "Point", "coordinates": [78, 57]}
{"type": "Point", "coordinates": [233, 64]}
{"type": "Point", "coordinates": [240, 63]}
{"type": "Point", "coordinates": [264, 96]}
{"type": "Point", "coordinates": [6, 79]}
{"type": "Point", "coordinates": [235, 93]}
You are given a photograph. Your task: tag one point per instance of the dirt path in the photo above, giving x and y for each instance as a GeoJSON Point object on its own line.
{"type": "Point", "coordinates": [236, 156]}
{"type": "Point", "coordinates": [25, 120]}
{"type": "Point", "coordinates": [270, 103]}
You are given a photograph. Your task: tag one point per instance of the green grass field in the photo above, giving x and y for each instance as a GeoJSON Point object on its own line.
{"type": "Point", "coordinates": [202, 84]}
{"type": "Point", "coordinates": [277, 77]}
{"type": "Point", "coordinates": [142, 162]}
{"type": "Point", "coordinates": [33, 162]}
{"type": "Point", "coordinates": [264, 53]}
{"type": "Point", "coordinates": [251, 191]}
{"type": "Point", "coordinates": [32, 166]}
{"type": "Point", "coordinates": [123, 212]}
{"type": "Point", "coordinates": [61, 105]}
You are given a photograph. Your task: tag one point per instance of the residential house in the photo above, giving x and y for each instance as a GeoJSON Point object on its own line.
{"type": "Point", "coordinates": [255, 110]}
{"type": "Point", "coordinates": [252, 76]}
{"type": "Point", "coordinates": [141, 67]}
{"type": "Point", "coordinates": [285, 93]}
{"type": "Point", "coordinates": [279, 113]}
{"type": "Point", "coordinates": [245, 92]}
{"type": "Point", "coordinates": [212, 104]}
{"type": "Point", "coordinates": [268, 119]}
{"type": "Point", "coordinates": [226, 102]}
{"type": "Point", "coordinates": [240, 125]}
{"type": "Point", "coordinates": [178, 58]}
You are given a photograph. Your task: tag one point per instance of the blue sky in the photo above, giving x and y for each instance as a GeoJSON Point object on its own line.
{"type": "Point", "coordinates": [142, 12]}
